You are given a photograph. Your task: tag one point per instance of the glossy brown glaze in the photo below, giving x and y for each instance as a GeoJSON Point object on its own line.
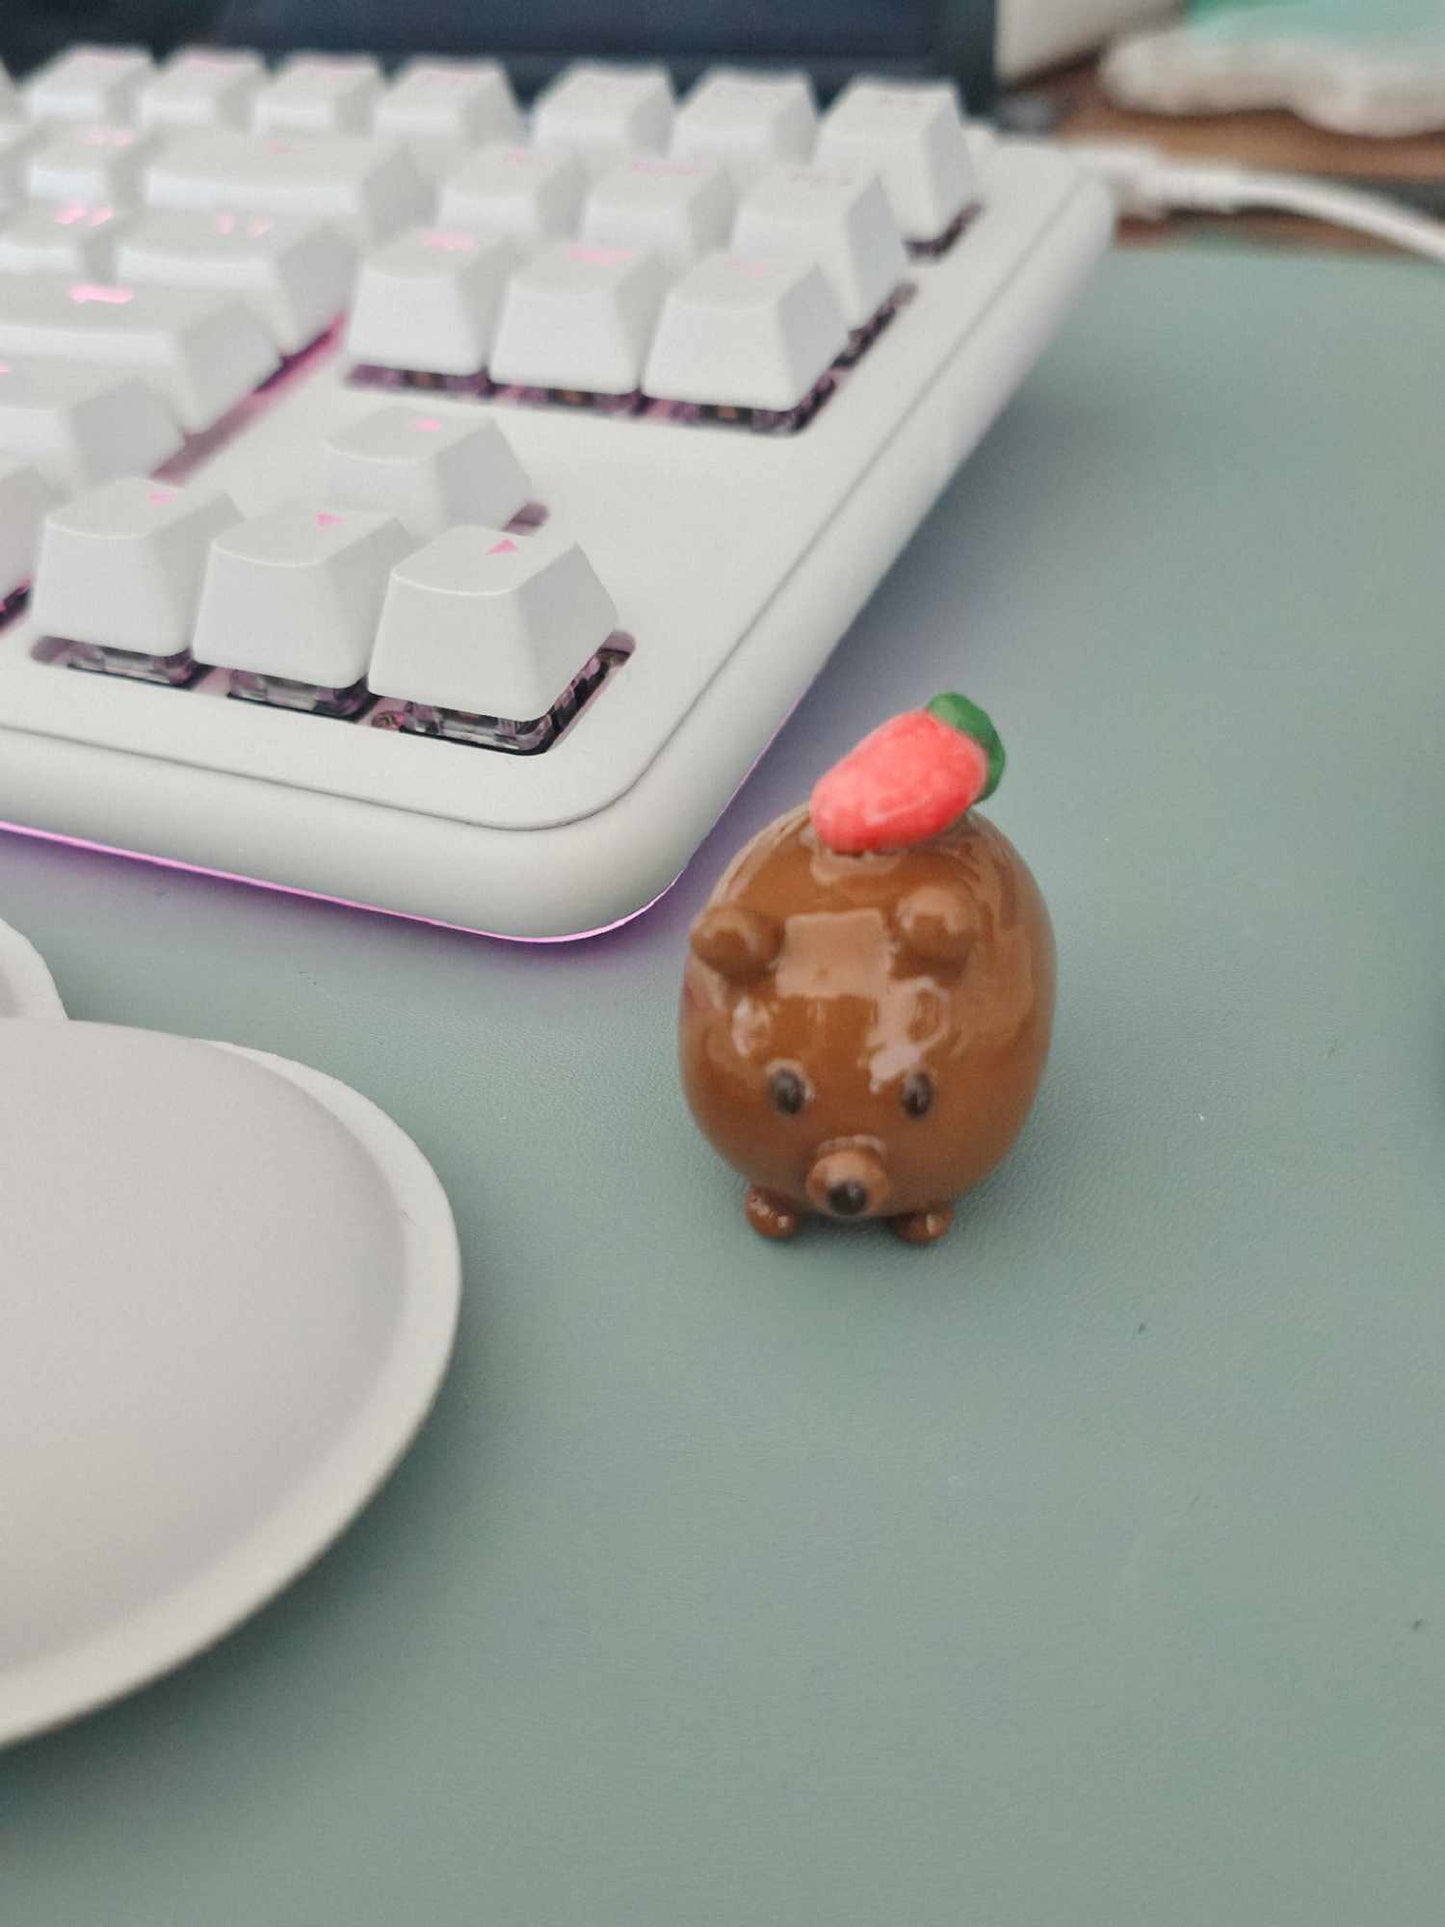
{"type": "Point", "coordinates": [863, 1036]}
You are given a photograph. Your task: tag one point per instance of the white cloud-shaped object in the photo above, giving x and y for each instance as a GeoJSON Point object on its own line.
{"type": "Point", "coordinates": [1390, 84]}
{"type": "Point", "coordinates": [230, 1289]}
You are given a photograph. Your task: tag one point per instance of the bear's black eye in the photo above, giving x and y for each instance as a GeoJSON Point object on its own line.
{"type": "Point", "coordinates": [788, 1090]}
{"type": "Point", "coordinates": [917, 1095]}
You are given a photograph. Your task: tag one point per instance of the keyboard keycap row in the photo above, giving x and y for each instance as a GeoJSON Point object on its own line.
{"type": "Point", "coordinates": [736, 331]}
{"type": "Point", "coordinates": [417, 579]}
{"type": "Point", "coordinates": [240, 130]}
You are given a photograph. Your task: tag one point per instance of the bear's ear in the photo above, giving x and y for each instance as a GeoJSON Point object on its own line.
{"type": "Point", "coordinates": [938, 924]}
{"type": "Point", "coordinates": [737, 942]}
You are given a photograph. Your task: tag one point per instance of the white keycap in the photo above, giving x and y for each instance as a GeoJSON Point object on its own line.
{"type": "Point", "coordinates": [25, 495]}
{"type": "Point", "coordinates": [602, 113]}
{"type": "Point", "coordinates": [296, 593]}
{"type": "Point", "coordinates": [121, 566]}
{"type": "Point", "coordinates": [202, 87]}
{"type": "Point", "coordinates": [12, 106]}
{"type": "Point", "coordinates": [370, 189]}
{"type": "Point", "coordinates": [429, 301]}
{"type": "Point", "coordinates": [96, 163]}
{"type": "Point", "coordinates": [912, 135]}
{"type": "Point", "coordinates": [18, 141]}
{"type": "Point", "coordinates": [841, 220]}
{"type": "Point", "coordinates": [489, 623]}
{"type": "Point", "coordinates": [319, 94]}
{"type": "Point", "coordinates": [746, 121]}
{"type": "Point", "coordinates": [461, 101]}
{"type": "Point", "coordinates": [678, 210]}
{"type": "Point", "coordinates": [295, 275]}
{"type": "Point", "coordinates": [203, 351]}
{"type": "Point", "coordinates": [75, 238]}
{"type": "Point", "coordinates": [533, 197]}
{"type": "Point", "coordinates": [429, 471]}
{"type": "Point", "coordinates": [744, 333]}
{"type": "Point", "coordinates": [89, 83]}
{"type": "Point", "coordinates": [82, 426]}
{"type": "Point", "coordinates": [579, 317]}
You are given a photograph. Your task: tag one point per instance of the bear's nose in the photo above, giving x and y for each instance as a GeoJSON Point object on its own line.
{"type": "Point", "coordinates": [848, 1179]}
{"type": "Point", "coordinates": [848, 1198]}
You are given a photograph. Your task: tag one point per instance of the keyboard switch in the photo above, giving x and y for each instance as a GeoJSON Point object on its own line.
{"type": "Point", "coordinates": [120, 570]}
{"type": "Point", "coordinates": [83, 426]}
{"type": "Point", "coordinates": [429, 301]}
{"type": "Point", "coordinates": [913, 137]}
{"type": "Point", "coordinates": [678, 210]}
{"type": "Point", "coordinates": [489, 624]}
{"type": "Point", "coordinates": [578, 319]}
{"type": "Point", "coordinates": [840, 220]}
{"type": "Point", "coordinates": [25, 495]}
{"type": "Point", "coordinates": [739, 333]}
{"type": "Point", "coordinates": [747, 122]}
{"type": "Point", "coordinates": [293, 597]}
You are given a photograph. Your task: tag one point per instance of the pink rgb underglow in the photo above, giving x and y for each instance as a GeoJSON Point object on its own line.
{"type": "Point", "coordinates": [598, 257]}
{"type": "Point", "coordinates": [319, 896]}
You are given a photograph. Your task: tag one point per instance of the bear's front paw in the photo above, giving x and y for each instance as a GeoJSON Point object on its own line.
{"type": "Point", "coordinates": [772, 1216]}
{"type": "Point", "coordinates": [923, 1227]}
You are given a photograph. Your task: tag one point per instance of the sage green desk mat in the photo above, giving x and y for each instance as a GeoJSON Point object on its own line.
{"type": "Point", "coordinates": [1088, 1569]}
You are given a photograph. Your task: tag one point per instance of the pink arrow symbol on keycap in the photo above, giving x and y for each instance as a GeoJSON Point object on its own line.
{"type": "Point", "coordinates": [505, 547]}
{"type": "Point", "coordinates": [84, 291]}
{"type": "Point", "coordinates": [326, 519]}
{"type": "Point", "coordinates": [593, 257]}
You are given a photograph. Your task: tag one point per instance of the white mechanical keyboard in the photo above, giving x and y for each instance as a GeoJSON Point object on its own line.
{"type": "Point", "coordinates": [429, 506]}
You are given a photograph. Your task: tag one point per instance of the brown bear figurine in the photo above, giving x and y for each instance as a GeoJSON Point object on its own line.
{"type": "Point", "coordinates": [867, 1003]}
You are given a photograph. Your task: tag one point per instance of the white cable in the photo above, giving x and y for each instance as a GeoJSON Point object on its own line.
{"type": "Point", "coordinates": [1148, 184]}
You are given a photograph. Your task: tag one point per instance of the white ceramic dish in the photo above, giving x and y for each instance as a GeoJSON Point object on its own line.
{"type": "Point", "coordinates": [194, 1400]}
